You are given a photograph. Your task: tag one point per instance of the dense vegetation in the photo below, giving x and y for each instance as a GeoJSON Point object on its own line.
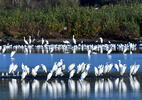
{"type": "Point", "coordinates": [109, 21]}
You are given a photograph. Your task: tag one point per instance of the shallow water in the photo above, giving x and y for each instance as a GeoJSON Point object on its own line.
{"type": "Point", "coordinates": [31, 60]}
{"type": "Point", "coordinates": [104, 89]}
{"type": "Point", "coordinates": [97, 88]}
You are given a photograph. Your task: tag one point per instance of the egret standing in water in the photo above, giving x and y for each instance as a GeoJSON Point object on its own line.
{"type": "Point", "coordinates": [12, 53]}
{"type": "Point", "coordinates": [74, 40]}
{"type": "Point", "coordinates": [71, 73]}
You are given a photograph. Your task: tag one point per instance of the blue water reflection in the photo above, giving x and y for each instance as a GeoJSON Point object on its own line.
{"type": "Point", "coordinates": [104, 89]}
{"type": "Point", "coordinates": [48, 59]}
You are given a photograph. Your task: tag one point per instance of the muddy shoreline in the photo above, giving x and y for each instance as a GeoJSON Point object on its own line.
{"type": "Point", "coordinates": [60, 41]}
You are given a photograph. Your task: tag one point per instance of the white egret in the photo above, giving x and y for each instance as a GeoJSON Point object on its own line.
{"type": "Point", "coordinates": [116, 67]}
{"type": "Point", "coordinates": [54, 68]}
{"type": "Point", "coordinates": [79, 68]}
{"type": "Point", "coordinates": [63, 67]}
{"type": "Point", "coordinates": [26, 42]}
{"type": "Point", "coordinates": [71, 73]}
{"type": "Point", "coordinates": [42, 41]}
{"type": "Point", "coordinates": [96, 71]}
{"type": "Point", "coordinates": [24, 74]}
{"type": "Point", "coordinates": [34, 72]}
{"type": "Point", "coordinates": [12, 53]}
{"type": "Point", "coordinates": [66, 42]}
{"type": "Point", "coordinates": [71, 66]}
{"type": "Point", "coordinates": [30, 40]}
{"type": "Point", "coordinates": [44, 68]}
{"type": "Point", "coordinates": [49, 76]}
{"type": "Point", "coordinates": [109, 51]}
{"type": "Point", "coordinates": [60, 63]}
{"type": "Point", "coordinates": [74, 40]}
{"type": "Point", "coordinates": [87, 67]}
{"type": "Point", "coordinates": [59, 72]}
{"type": "Point", "coordinates": [101, 39]}
{"type": "Point", "coordinates": [83, 75]}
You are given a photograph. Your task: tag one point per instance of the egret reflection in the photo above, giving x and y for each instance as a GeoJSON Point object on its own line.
{"type": "Point", "coordinates": [58, 89]}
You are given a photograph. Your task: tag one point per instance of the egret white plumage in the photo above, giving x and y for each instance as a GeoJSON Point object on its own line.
{"type": "Point", "coordinates": [79, 67]}
{"type": "Point", "coordinates": [11, 68]}
{"type": "Point", "coordinates": [63, 67]}
{"type": "Point", "coordinates": [72, 73]}
{"type": "Point", "coordinates": [36, 68]}
{"type": "Point", "coordinates": [66, 42]}
{"type": "Point", "coordinates": [125, 50]}
{"type": "Point", "coordinates": [116, 67]}
{"type": "Point", "coordinates": [3, 49]}
{"type": "Point", "coordinates": [101, 39]}
{"type": "Point", "coordinates": [136, 69]}
{"type": "Point", "coordinates": [83, 75]}
{"type": "Point", "coordinates": [26, 42]}
{"type": "Point", "coordinates": [44, 68]}
{"type": "Point", "coordinates": [96, 71]}
{"type": "Point", "coordinates": [12, 53]}
{"type": "Point", "coordinates": [24, 74]}
{"type": "Point", "coordinates": [74, 40]}
{"type": "Point", "coordinates": [49, 76]}
{"type": "Point", "coordinates": [42, 41]}
{"type": "Point", "coordinates": [54, 68]}
{"type": "Point", "coordinates": [109, 51]}
{"type": "Point", "coordinates": [123, 69]}
{"type": "Point", "coordinates": [87, 67]}
{"type": "Point", "coordinates": [89, 52]}
{"type": "Point", "coordinates": [30, 40]}
{"type": "Point", "coordinates": [47, 42]}
{"type": "Point", "coordinates": [59, 72]}
{"type": "Point", "coordinates": [34, 72]}
{"type": "Point", "coordinates": [71, 66]}
{"type": "Point", "coordinates": [60, 63]}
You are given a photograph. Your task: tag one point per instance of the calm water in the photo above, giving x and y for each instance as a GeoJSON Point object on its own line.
{"type": "Point", "coordinates": [32, 60]}
{"type": "Point", "coordinates": [102, 89]}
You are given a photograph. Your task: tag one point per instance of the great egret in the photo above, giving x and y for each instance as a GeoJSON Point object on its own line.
{"type": "Point", "coordinates": [42, 41]}
{"type": "Point", "coordinates": [34, 72]}
{"type": "Point", "coordinates": [83, 75]}
{"type": "Point", "coordinates": [72, 73]}
{"type": "Point", "coordinates": [49, 76]}
{"type": "Point", "coordinates": [59, 72]}
{"type": "Point", "coordinates": [89, 52]}
{"type": "Point", "coordinates": [44, 68]}
{"type": "Point", "coordinates": [101, 39]}
{"type": "Point", "coordinates": [47, 42]}
{"type": "Point", "coordinates": [79, 68]}
{"type": "Point", "coordinates": [11, 68]}
{"type": "Point", "coordinates": [60, 63]}
{"type": "Point", "coordinates": [24, 74]}
{"type": "Point", "coordinates": [74, 40]}
{"type": "Point", "coordinates": [36, 68]}
{"type": "Point", "coordinates": [116, 67]}
{"type": "Point", "coordinates": [71, 66]}
{"type": "Point", "coordinates": [30, 40]}
{"type": "Point", "coordinates": [26, 42]}
{"type": "Point", "coordinates": [54, 68]}
{"type": "Point", "coordinates": [123, 69]}
{"type": "Point", "coordinates": [63, 67]}
{"type": "Point", "coordinates": [87, 67]}
{"type": "Point", "coordinates": [12, 53]}
{"type": "Point", "coordinates": [109, 51]}
{"type": "Point", "coordinates": [66, 42]}
{"type": "Point", "coordinates": [96, 71]}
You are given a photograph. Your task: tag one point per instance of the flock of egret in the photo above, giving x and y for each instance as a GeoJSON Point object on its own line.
{"type": "Point", "coordinates": [69, 47]}
{"type": "Point", "coordinates": [80, 88]}
{"type": "Point", "coordinates": [59, 68]}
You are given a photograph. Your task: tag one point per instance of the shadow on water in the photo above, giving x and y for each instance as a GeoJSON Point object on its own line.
{"type": "Point", "coordinates": [118, 88]}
